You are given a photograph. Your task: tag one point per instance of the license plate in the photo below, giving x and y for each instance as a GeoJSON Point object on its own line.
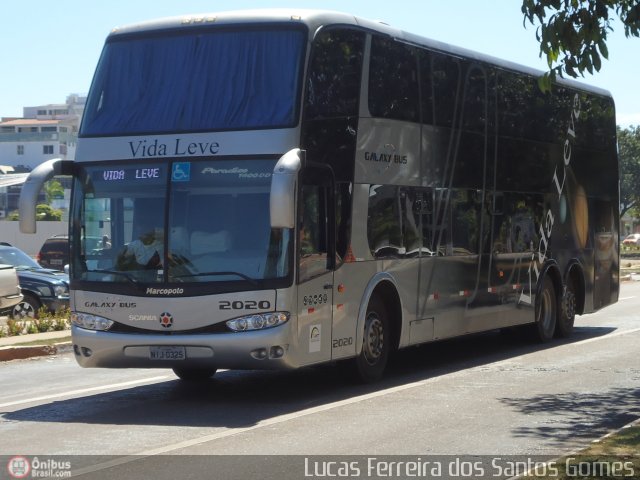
{"type": "Point", "coordinates": [56, 261]}
{"type": "Point", "coordinates": [167, 353]}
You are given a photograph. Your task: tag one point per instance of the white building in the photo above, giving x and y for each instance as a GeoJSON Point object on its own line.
{"type": "Point", "coordinates": [45, 132]}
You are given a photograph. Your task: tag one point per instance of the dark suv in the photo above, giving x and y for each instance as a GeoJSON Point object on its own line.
{"type": "Point", "coordinates": [41, 287]}
{"type": "Point", "coordinates": [54, 253]}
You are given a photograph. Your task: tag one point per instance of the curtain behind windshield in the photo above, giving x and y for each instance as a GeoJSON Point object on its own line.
{"type": "Point", "coordinates": [210, 81]}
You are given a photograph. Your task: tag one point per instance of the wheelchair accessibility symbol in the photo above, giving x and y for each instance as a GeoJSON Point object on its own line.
{"type": "Point", "coordinates": [181, 172]}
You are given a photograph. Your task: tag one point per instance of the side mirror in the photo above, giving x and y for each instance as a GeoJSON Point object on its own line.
{"type": "Point", "coordinates": [284, 182]}
{"type": "Point", "coordinates": [32, 187]}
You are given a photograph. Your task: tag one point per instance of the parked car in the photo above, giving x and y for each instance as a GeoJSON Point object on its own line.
{"type": "Point", "coordinates": [54, 252]}
{"type": "Point", "coordinates": [40, 286]}
{"type": "Point", "coordinates": [633, 239]}
{"type": "Point", "coordinates": [9, 288]}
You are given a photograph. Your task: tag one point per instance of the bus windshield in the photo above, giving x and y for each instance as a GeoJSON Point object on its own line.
{"type": "Point", "coordinates": [178, 222]}
{"type": "Point", "coordinates": [196, 81]}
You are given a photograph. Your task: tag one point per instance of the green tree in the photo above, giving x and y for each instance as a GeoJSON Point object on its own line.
{"type": "Point", "coordinates": [573, 33]}
{"type": "Point", "coordinates": [53, 190]}
{"type": "Point", "coordinates": [43, 212]}
{"type": "Point", "coordinates": [629, 157]}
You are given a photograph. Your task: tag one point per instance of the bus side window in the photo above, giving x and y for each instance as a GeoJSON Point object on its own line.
{"type": "Point", "coordinates": [393, 80]}
{"type": "Point", "coordinates": [334, 74]}
{"type": "Point", "coordinates": [313, 232]}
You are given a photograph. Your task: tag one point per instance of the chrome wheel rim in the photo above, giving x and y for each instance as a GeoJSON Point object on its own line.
{"type": "Point", "coordinates": [545, 315]}
{"type": "Point", "coordinates": [24, 310]}
{"type": "Point", "coordinates": [373, 339]}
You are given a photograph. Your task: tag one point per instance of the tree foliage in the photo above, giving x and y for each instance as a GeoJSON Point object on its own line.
{"type": "Point", "coordinates": [43, 213]}
{"type": "Point", "coordinates": [53, 190]}
{"type": "Point", "coordinates": [629, 157]}
{"type": "Point", "coordinates": [573, 33]}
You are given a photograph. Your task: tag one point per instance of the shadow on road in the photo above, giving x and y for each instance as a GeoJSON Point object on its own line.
{"type": "Point", "coordinates": [578, 416]}
{"type": "Point", "coordinates": [236, 399]}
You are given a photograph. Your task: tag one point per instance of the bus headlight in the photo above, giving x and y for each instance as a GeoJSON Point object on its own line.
{"type": "Point", "coordinates": [90, 322]}
{"type": "Point", "coordinates": [259, 321]}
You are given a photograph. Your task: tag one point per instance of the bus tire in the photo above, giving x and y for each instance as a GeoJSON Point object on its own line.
{"type": "Point", "coordinates": [193, 374]}
{"type": "Point", "coordinates": [376, 338]}
{"type": "Point", "coordinates": [546, 311]}
{"type": "Point", "coordinates": [567, 316]}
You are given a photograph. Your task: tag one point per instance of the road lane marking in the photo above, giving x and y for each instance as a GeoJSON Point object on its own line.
{"type": "Point", "coordinates": [281, 418]}
{"type": "Point", "coordinates": [341, 403]}
{"type": "Point", "coordinates": [626, 298]}
{"type": "Point", "coordinates": [261, 424]}
{"type": "Point", "coordinates": [85, 390]}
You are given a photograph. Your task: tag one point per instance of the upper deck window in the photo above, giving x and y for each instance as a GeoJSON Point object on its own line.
{"type": "Point", "coordinates": [196, 81]}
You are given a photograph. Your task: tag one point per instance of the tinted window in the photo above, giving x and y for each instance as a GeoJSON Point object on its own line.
{"type": "Point", "coordinates": [393, 226]}
{"type": "Point", "coordinates": [333, 84]}
{"type": "Point", "coordinates": [393, 80]}
{"type": "Point", "coordinates": [475, 100]}
{"type": "Point", "coordinates": [465, 227]}
{"type": "Point", "coordinates": [313, 232]}
{"type": "Point", "coordinates": [445, 84]}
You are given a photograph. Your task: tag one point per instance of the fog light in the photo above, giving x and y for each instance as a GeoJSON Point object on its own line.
{"type": "Point", "coordinates": [259, 354]}
{"type": "Point", "coordinates": [276, 352]}
{"type": "Point", "coordinates": [87, 352]}
{"type": "Point", "coordinates": [76, 350]}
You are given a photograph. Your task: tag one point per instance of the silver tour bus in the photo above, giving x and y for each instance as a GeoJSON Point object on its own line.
{"type": "Point", "coordinates": [280, 189]}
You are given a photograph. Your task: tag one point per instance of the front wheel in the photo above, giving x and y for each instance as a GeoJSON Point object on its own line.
{"type": "Point", "coordinates": [546, 312]}
{"type": "Point", "coordinates": [194, 374]}
{"type": "Point", "coordinates": [27, 308]}
{"type": "Point", "coordinates": [372, 360]}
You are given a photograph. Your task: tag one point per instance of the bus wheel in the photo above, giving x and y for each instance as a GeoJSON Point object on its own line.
{"type": "Point", "coordinates": [564, 328]}
{"type": "Point", "coordinates": [372, 360]}
{"type": "Point", "coordinates": [546, 311]}
{"type": "Point", "coordinates": [194, 374]}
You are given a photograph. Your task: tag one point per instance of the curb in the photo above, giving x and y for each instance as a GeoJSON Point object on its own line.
{"type": "Point", "coordinates": [29, 351]}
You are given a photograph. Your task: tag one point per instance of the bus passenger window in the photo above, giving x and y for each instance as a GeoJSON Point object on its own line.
{"type": "Point", "coordinates": [333, 83]}
{"type": "Point", "coordinates": [393, 80]}
{"type": "Point", "coordinates": [312, 233]}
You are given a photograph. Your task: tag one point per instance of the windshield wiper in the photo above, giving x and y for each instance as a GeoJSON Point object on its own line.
{"type": "Point", "coordinates": [126, 275]}
{"type": "Point", "coordinates": [253, 281]}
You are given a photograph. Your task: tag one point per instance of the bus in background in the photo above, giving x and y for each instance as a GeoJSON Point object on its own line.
{"type": "Point", "coordinates": [281, 189]}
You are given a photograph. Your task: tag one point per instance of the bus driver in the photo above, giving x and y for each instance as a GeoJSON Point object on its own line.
{"type": "Point", "coordinates": [144, 253]}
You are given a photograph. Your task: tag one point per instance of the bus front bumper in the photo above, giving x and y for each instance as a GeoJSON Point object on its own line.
{"type": "Point", "coordinates": [261, 350]}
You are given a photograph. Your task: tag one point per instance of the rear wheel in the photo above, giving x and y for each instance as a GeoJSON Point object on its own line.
{"type": "Point", "coordinates": [193, 374]}
{"type": "Point", "coordinates": [372, 360]}
{"type": "Point", "coordinates": [567, 316]}
{"type": "Point", "coordinates": [27, 308]}
{"type": "Point", "coordinates": [546, 312]}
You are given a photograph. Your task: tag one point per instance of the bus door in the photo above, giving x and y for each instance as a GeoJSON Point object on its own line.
{"type": "Point", "coordinates": [316, 261]}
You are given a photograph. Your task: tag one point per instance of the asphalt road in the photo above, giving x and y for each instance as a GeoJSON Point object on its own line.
{"type": "Point", "coordinates": [489, 394]}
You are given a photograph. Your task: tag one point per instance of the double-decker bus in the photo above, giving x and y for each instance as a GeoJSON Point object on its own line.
{"type": "Point", "coordinates": [279, 189]}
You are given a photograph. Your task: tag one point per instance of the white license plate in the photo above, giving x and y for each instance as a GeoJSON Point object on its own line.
{"type": "Point", "coordinates": [56, 261]}
{"type": "Point", "coordinates": [167, 353]}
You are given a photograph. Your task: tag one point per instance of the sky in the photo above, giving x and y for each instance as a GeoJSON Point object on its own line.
{"type": "Point", "coordinates": [50, 49]}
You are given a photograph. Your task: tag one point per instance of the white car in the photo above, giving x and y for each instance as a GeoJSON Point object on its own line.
{"type": "Point", "coordinates": [633, 239]}
{"type": "Point", "coordinates": [10, 292]}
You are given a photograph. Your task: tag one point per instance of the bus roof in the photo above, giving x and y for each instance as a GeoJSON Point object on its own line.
{"type": "Point", "coordinates": [314, 19]}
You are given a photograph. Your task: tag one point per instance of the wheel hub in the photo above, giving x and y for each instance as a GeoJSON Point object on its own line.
{"type": "Point", "coordinates": [373, 339]}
